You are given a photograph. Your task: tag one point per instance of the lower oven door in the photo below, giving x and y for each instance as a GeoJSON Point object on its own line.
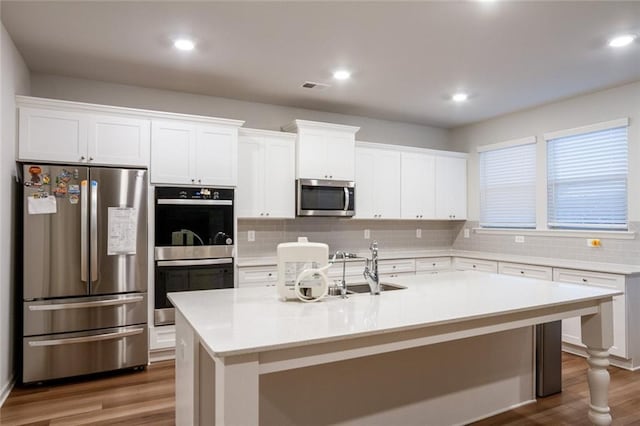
{"type": "Point", "coordinates": [188, 275]}
{"type": "Point", "coordinates": [72, 354]}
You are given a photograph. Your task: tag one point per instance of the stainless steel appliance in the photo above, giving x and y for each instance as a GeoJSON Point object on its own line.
{"type": "Point", "coordinates": [194, 231]}
{"type": "Point", "coordinates": [84, 292]}
{"type": "Point", "coordinates": [318, 197]}
{"type": "Point", "coordinates": [548, 358]}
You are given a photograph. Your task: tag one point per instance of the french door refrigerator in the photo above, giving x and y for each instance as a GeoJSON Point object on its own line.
{"type": "Point", "coordinates": [84, 292]}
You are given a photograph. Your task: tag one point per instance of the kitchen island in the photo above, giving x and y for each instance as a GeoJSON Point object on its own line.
{"type": "Point", "coordinates": [449, 349]}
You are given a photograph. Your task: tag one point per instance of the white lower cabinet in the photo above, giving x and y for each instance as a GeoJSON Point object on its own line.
{"type": "Point", "coordinates": [432, 265]}
{"type": "Point", "coordinates": [388, 267]}
{"type": "Point", "coordinates": [571, 329]}
{"type": "Point", "coordinates": [524, 270]}
{"type": "Point", "coordinates": [257, 276]}
{"type": "Point", "coordinates": [466, 264]}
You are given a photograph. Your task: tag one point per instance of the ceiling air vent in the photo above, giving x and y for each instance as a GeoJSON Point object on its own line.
{"type": "Point", "coordinates": [314, 85]}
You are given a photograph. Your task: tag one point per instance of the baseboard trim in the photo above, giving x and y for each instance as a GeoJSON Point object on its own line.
{"type": "Point", "coordinates": [6, 390]}
{"type": "Point", "coordinates": [162, 355]}
{"type": "Point", "coordinates": [503, 410]}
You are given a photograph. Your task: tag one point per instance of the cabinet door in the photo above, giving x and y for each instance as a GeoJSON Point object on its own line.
{"type": "Point", "coordinates": [171, 152]}
{"type": "Point", "coordinates": [119, 141]}
{"type": "Point", "coordinates": [53, 136]}
{"type": "Point", "coordinates": [279, 178]}
{"type": "Point", "coordinates": [387, 184]}
{"type": "Point", "coordinates": [365, 184]}
{"type": "Point", "coordinates": [312, 156]}
{"type": "Point", "coordinates": [523, 270]}
{"type": "Point", "coordinates": [340, 156]}
{"type": "Point", "coordinates": [216, 155]}
{"type": "Point", "coordinates": [377, 183]}
{"type": "Point", "coordinates": [451, 187]}
{"type": "Point", "coordinates": [418, 186]}
{"type": "Point", "coordinates": [250, 191]}
{"type": "Point", "coordinates": [465, 264]}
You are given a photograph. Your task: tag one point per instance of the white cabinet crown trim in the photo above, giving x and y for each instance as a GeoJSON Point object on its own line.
{"type": "Point", "coordinates": [55, 104]}
{"type": "Point", "coordinates": [296, 125]}
{"type": "Point", "coordinates": [411, 149]}
{"type": "Point", "coordinates": [245, 131]}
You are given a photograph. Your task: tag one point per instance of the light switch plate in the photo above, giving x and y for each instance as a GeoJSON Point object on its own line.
{"type": "Point", "coordinates": [367, 234]}
{"type": "Point", "coordinates": [519, 238]}
{"type": "Point", "coordinates": [418, 233]}
{"type": "Point", "coordinates": [466, 232]}
{"type": "Point", "coordinates": [251, 236]}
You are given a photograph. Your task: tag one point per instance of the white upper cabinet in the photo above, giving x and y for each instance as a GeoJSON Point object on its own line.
{"type": "Point", "coordinates": [194, 153]}
{"type": "Point", "coordinates": [71, 132]}
{"type": "Point", "coordinates": [451, 188]}
{"type": "Point", "coordinates": [324, 150]}
{"type": "Point", "coordinates": [377, 183]}
{"type": "Point", "coordinates": [266, 179]}
{"type": "Point", "coordinates": [418, 186]}
{"type": "Point", "coordinates": [119, 140]}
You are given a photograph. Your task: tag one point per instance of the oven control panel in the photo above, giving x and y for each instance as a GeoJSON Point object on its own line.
{"type": "Point", "coordinates": [182, 193]}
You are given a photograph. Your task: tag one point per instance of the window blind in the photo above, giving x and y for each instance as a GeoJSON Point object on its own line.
{"type": "Point", "coordinates": [508, 187]}
{"type": "Point", "coordinates": [587, 180]}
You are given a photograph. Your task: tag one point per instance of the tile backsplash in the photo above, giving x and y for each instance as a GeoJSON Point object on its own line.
{"type": "Point", "coordinates": [397, 235]}
{"type": "Point", "coordinates": [625, 251]}
{"type": "Point", "coordinates": [345, 234]}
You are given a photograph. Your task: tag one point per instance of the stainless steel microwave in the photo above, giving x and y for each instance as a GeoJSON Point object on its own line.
{"type": "Point", "coordinates": [319, 197]}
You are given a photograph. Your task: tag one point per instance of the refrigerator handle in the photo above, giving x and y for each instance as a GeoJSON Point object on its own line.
{"type": "Point", "coordinates": [94, 231]}
{"type": "Point", "coordinates": [84, 209]}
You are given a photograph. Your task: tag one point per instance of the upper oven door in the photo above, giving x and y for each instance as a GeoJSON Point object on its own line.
{"type": "Point", "coordinates": [192, 228]}
{"type": "Point", "coordinates": [317, 197]}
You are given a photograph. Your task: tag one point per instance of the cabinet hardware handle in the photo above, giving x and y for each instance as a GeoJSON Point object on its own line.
{"type": "Point", "coordinates": [433, 264]}
{"type": "Point", "coordinates": [90, 158]}
{"type": "Point", "coordinates": [82, 158]}
{"type": "Point", "coordinates": [331, 177]}
{"type": "Point", "coordinates": [193, 180]}
{"type": "Point", "coordinates": [584, 280]}
{"type": "Point", "coordinates": [270, 274]}
{"type": "Point", "coordinates": [474, 266]}
{"type": "Point", "coordinates": [267, 214]}
{"type": "Point", "coordinates": [261, 214]}
{"type": "Point", "coordinates": [522, 272]}
{"type": "Point", "coordinates": [199, 180]}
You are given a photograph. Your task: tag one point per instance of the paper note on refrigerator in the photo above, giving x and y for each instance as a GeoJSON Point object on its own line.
{"type": "Point", "coordinates": [122, 227]}
{"type": "Point", "coordinates": [41, 205]}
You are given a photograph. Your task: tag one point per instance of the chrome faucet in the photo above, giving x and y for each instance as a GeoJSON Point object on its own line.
{"type": "Point", "coordinates": [343, 283]}
{"type": "Point", "coordinates": [371, 270]}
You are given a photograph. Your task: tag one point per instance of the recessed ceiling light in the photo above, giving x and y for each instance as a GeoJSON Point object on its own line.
{"type": "Point", "coordinates": [459, 97]}
{"type": "Point", "coordinates": [341, 75]}
{"type": "Point", "coordinates": [184, 44]}
{"type": "Point", "coordinates": [622, 40]}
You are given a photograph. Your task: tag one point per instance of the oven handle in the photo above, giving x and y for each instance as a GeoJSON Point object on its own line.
{"type": "Point", "coordinates": [196, 262]}
{"type": "Point", "coordinates": [180, 201]}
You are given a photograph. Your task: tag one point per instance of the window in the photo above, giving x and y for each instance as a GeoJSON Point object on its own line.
{"type": "Point", "coordinates": [508, 184]}
{"type": "Point", "coordinates": [587, 177]}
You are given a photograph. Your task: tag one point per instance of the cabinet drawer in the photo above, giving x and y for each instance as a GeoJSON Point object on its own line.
{"type": "Point", "coordinates": [390, 277]}
{"type": "Point", "coordinates": [433, 264]}
{"type": "Point", "coordinates": [258, 276]}
{"type": "Point", "coordinates": [589, 278]}
{"type": "Point", "coordinates": [465, 264]}
{"type": "Point", "coordinates": [394, 266]}
{"type": "Point", "coordinates": [524, 270]}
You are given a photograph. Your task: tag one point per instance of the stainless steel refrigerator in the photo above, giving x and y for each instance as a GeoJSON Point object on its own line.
{"type": "Point", "coordinates": [84, 290]}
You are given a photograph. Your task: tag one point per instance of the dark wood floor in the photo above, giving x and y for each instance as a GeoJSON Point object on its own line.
{"type": "Point", "coordinates": [147, 398]}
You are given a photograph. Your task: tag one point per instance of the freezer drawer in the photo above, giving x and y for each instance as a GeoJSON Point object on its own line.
{"type": "Point", "coordinates": [84, 313]}
{"type": "Point", "coordinates": [73, 354]}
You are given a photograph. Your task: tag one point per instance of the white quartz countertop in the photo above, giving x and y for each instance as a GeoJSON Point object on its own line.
{"type": "Point", "coordinates": [612, 268]}
{"type": "Point", "coordinates": [248, 320]}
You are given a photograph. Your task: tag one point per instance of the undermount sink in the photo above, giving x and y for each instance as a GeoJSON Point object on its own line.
{"type": "Point", "coordinates": [357, 288]}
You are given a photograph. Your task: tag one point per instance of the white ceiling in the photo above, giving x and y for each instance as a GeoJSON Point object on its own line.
{"type": "Point", "coordinates": [406, 57]}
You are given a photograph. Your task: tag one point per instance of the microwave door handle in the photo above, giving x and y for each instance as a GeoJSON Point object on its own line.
{"type": "Point", "coordinates": [94, 231]}
{"type": "Point", "coordinates": [347, 199]}
{"type": "Point", "coordinates": [84, 208]}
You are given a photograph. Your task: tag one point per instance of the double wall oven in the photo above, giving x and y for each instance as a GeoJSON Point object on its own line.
{"type": "Point", "coordinates": [194, 241]}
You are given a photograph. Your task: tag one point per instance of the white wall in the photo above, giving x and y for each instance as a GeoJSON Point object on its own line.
{"type": "Point", "coordinates": [15, 79]}
{"type": "Point", "coordinates": [256, 115]}
{"type": "Point", "coordinates": [622, 101]}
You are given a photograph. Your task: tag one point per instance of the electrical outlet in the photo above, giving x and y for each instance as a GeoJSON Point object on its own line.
{"type": "Point", "coordinates": [367, 234]}
{"type": "Point", "coordinates": [593, 242]}
{"type": "Point", "coordinates": [418, 233]}
{"type": "Point", "coordinates": [251, 236]}
{"type": "Point", "coordinates": [466, 232]}
{"type": "Point", "coordinates": [519, 238]}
